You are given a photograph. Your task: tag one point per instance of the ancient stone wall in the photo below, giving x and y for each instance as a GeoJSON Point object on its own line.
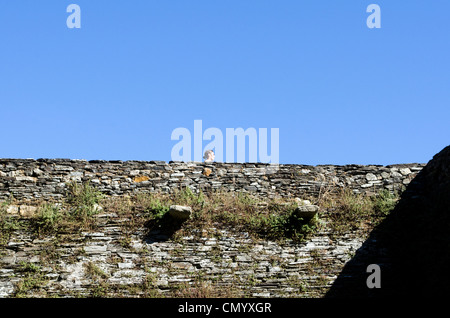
{"type": "Point", "coordinates": [46, 179]}
{"type": "Point", "coordinates": [100, 264]}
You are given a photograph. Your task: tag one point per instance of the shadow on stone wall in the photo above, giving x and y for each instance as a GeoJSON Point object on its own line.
{"type": "Point", "coordinates": [161, 229]}
{"type": "Point", "coordinates": [411, 246]}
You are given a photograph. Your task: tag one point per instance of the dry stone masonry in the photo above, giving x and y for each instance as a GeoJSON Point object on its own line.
{"type": "Point", "coordinates": [94, 262]}
{"type": "Point", "coordinates": [226, 260]}
{"type": "Point", "coordinates": [47, 179]}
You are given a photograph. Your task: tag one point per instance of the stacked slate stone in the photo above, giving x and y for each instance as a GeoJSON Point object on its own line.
{"type": "Point", "coordinates": [48, 179]}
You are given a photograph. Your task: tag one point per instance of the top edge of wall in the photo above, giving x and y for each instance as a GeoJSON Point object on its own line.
{"type": "Point", "coordinates": [162, 162]}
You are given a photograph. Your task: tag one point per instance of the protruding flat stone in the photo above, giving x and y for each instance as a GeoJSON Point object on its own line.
{"type": "Point", "coordinates": [180, 212]}
{"type": "Point", "coordinates": [307, 211]}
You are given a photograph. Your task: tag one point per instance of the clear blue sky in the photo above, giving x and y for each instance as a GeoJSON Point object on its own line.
{"type": "Point", "coordinates": [339, 92]}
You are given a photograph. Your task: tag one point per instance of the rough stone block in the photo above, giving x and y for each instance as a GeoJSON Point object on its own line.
{"type": "Point", "coordinates": [307, 211]}
{"type": "Point", "coordinates": [180, 212]}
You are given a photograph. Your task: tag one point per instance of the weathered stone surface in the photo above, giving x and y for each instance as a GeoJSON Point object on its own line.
{"type": "Point", "coordinates": [371, 177]}
{"type": "Point", "coordinates": [207, 172]}
{"type": "Point", "coordinates": [95, 249]}
{"type": "Point", "coordinates": [228, 259]}
{"type": "Point", "coordinates": [307, 211]}
{"type": "Point", "coordinates": [269, 269]}
{"type": "Point", "coordinates": [12, 209]}
{"type": "Point", "coordinates": [27, 210]}
{"type": "Point", "coordinates": [47, 179]}
{"type": "Point", "coordinates": [140, 179]}
{"type": "Point", "coordinates": [180, 212]}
